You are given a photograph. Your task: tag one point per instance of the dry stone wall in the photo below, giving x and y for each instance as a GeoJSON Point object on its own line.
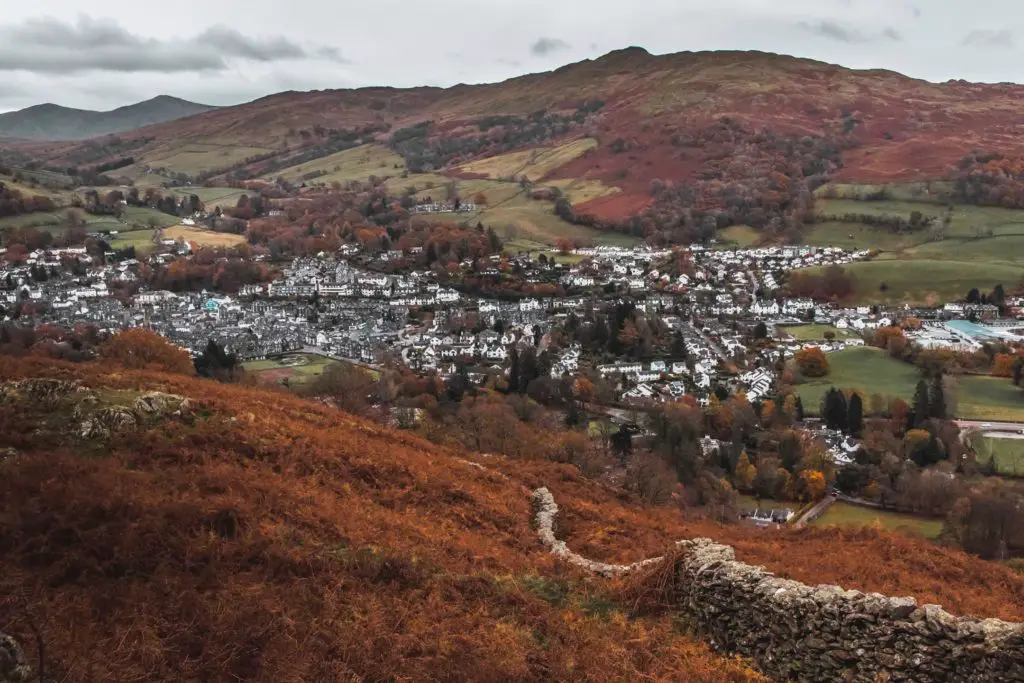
{"type": "Point", "coordinates": [819, 633]}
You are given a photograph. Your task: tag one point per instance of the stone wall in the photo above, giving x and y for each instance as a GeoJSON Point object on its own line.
{"type": "Point", "coordinates": [818, 633]}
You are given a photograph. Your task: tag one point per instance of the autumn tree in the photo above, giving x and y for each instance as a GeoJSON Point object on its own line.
{"type": "Point", "coordinates": [745, 473]}
{"type": "Point", "coordinates": [564, 245]}
{"type": "Point", "coordinates": [812, 362]}
{"type": "Point", "coordinates": [348, 386]}
{"type": "Point", "coordinates": [141, 349]}
{"type": "Point", "coordinates": [812, 485]}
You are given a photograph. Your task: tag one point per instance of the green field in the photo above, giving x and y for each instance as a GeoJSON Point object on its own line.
{"type": "Point", "coordinates": [928, 282]}
{"type": "Point", "coordinates": [989, 398]}
{"type": "Point", "coordinates": [193, 158]}
{"type": "Point", "coordinates": [866, 369]}
{"type": "Point", "coordinates": [358, 163]}
{"type": "Point", "coordinates": [1007, 454]}
{"type": "Point", "coordinates": [213, 197]}
{"type": "Point", "coordinates": [739, 236]}
{"type": "Point", "coordinates": [277, 369]}
{"type": "Point", "coordinates": [142, 240]}
{"type": "Point", "coordinates": [815, 332]}
{"type": "Point", "coordinates": [872, 371]}
{"type": "Point", "coordinates": [844, 514]}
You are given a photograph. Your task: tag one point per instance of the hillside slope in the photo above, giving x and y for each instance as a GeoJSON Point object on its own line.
{"type": "Point", "coordinates": [249, 534]}
{"type": "Point", "coordinates": [655, 118]}
{"type": "Point", "coordinates": [54, 122]}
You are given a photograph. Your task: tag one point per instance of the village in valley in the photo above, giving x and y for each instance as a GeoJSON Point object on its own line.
{"type": "Point", "coordinates": [716, 321]}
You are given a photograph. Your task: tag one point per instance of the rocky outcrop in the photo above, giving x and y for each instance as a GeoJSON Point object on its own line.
{"type": "Point", "coordinates": [13, 667]}
{"type": "Point", "coordinates": [41, 390]}
{"type": "Point", "coordinates": [98, 413]}
{"type": "Point", "coordinates": [796, 632]}
{"type": "Point", "coordinates": [106, 421]}
{"type": "Point", "coordinates": [156, 404]}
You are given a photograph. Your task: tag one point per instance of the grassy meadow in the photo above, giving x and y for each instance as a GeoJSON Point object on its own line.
{"type": "Point", "coordinates": [844, 514]}
{"type": "Point", "coordinates": [866, 369]}
{"type": "Point", "coordinates": [815, 332]}
{"type": "Point", "coordinates": [358, 163]}
{"type": "Point", "coordinates": [1006, 454]}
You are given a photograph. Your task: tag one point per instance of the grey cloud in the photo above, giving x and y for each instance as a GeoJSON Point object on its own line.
{"type": "Point", "coordinates": [54, 47]}
{"type": "Point", "coordinates": [842, 33]}
{"type": "Point", "coordinates": [988, 38]}
{"type": "Point", "coordinates": [545, 46]}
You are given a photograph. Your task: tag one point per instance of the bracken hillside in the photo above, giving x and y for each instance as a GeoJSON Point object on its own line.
{"type": "Point", "coordinates": [160, 527]}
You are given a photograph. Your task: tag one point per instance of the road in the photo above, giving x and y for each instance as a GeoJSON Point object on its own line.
{"type": "Point", "coordinates": [707, 340]}
{"type": "Point", "coordinates": [817, 511]}
{"type": "Point", "coordinates": [996, 429]}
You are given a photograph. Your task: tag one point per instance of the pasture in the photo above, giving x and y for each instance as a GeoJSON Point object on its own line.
{"type": "Point", "coordinates": [206, 238]}
{"type": "Point", "coordinates": [926, 282]}
{"type": "Point", "coordinates": [845, 514]}
{"type": "Point", "coordinates": [1006, 455]}
{"type": "Point", "coordinates": [192, 158]}
{"type": "Point", "coordinates": [212, 197]}
{"type": "Point", "coordinates": [989, 398]}
{"type": "Point", "coordinates": [297, 368]}
{"type": "Point", "coordinates": [356, 164]}
{"type": "Point", "coordinates": [533, 163]}
{"type": "Point", "coordinates": [142, 240]}
{"type": "Point", "coordinates": [523, 218]}
{"type": "Point", "coordinates": [815, 332]}
{"type": "Point", "coordinates": [739, 236]}
{"type": "Point", "coordinates": [862, 368]}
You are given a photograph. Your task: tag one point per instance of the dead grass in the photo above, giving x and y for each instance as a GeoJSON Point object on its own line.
{"type": "Point", "coordinates": [534, 163]}
{"type": "Point", "coordinates": [272, 539]}
{"type": "Point", "coordinates": [207, 238]}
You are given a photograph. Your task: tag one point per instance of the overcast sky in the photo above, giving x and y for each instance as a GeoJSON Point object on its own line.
{"type": "Point", "coordinates": [103, 55]}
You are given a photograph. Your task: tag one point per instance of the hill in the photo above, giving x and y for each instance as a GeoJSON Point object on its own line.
{"type": "Point", "coordinates": [679, 118]}
{"type": "Point", "coordinates": [54, 122]}
{"type": "Point", "coordinates": [163, 527]}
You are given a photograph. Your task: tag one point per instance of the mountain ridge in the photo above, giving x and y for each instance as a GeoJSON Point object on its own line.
{"type": "Point", "coordinates": [54, 122]}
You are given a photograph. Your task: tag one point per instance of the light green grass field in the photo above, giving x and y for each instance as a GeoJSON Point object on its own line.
{"type": "Point", "coordinates": [815, 332]}
{"type": "Point", "coordinates": [844, 514]}
{"type": "Point", "coordinates": [213, 196]}
{"type": "Point", "coordinates": [739, 235]}
{"type": "Point", "coordinates": [1007, 454]}
{"type": "Point", "coordinates": [928, 282]}
{"type": "Point", "coordinates": [192, 158]}
{"type": "Point", "coordinates": [989, 398]}
{"type": "Point", "coordinates": [866, 369]}
{"type": "Point", "coordinates": [141, 217]}
{"type": "Point", "coordinates": [274, 370]}
{"type": "Point", "coordinates": [142, 240]}
{"type": "Point", "coordinates": [358, 163]}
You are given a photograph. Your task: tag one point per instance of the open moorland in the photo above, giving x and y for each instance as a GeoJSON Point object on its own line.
{"type": "Point", "coordinates": [433, 548]}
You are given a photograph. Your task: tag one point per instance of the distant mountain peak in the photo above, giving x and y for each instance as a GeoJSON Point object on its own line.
{"type": "Point", "coordinates": [51, 121]}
